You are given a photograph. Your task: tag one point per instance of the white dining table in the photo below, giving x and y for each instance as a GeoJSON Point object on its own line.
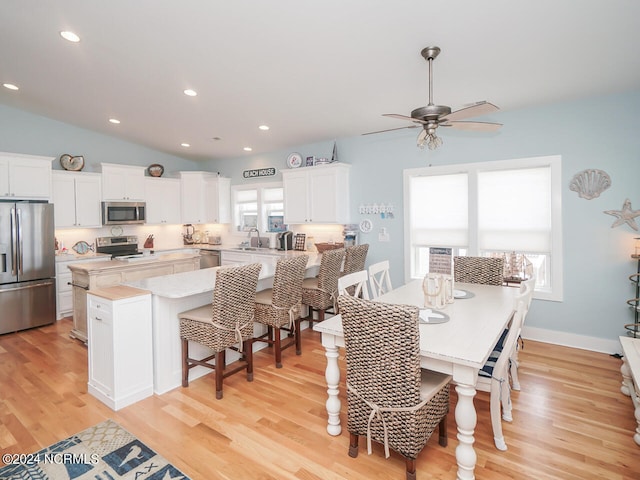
{"type": "Point", "coordinates": [459, 347]}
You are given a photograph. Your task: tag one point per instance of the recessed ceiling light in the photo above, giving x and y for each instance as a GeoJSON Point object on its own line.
{"type": "Point", "coordinates": [190, 93]}
{"type": "Point", "coordinates": [114, 120]}
{"type": "Point", "coordinates": [185, 144]}
{"type": "Point", "coordinates": [72, 37]}
{"type": "Point", "coordinates": [264, 127]}
{"type": "Point", "coordinates": [10, 86]}
{"type": "Point", "coordinates": [247, 149]}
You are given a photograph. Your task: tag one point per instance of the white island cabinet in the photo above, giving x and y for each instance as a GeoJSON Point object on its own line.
{"type": "Point", "coordinates": [173, 294]}
{"type": "Point", "coordinates": [317, 194]}
{"type": "Point", "coordinates": [120, 346]}
{"type": "Point", "coordinates": [25, 176]}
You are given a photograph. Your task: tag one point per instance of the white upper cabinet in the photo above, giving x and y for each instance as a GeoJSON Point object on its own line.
{"type": "Point", "coordinates": [25, 176]}
{"type": "Point", "coordinates": [163, 200]}
{"type": "Point", "coordinates": [122, 182]}
{"type": "Point", "coordinates": [317, 194]}
{"type": "Point", "coordinates": [76, 199]}
{"type": "Point", "coordinates": [218, 200]}
{"type": "Point", "coordinates": [206, 198]}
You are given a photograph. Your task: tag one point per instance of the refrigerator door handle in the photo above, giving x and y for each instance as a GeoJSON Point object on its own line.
{"type": "Point", "coordinates": [14, 244]}
{"type": "Point", "coordinates": [20, 257]}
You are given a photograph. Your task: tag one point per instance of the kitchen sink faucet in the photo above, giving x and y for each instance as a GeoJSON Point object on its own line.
{"type": "Point", "coordinates": [259, 244]}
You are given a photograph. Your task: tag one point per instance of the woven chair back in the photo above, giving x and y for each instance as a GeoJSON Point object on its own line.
{"type": "Point", "coordinates": [234, 297]}
{"type": "Point", "coordinates": [287, 282]}
{"type": "Point", "coordinates": [382, 343]}
{"type": "Point", "coordinates": [330, 265]}
{"type": "Point", "coordinates": [355, 257]}
{"type": "Point", "coordinates": [484, 270]}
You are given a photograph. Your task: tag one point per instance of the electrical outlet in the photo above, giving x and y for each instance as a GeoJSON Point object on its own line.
{"type": "Point", "coordinates": [383, 235]}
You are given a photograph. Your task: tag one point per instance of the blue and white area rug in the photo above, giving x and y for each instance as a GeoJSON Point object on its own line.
{"type": "Point", "coordinates": [103, 452]}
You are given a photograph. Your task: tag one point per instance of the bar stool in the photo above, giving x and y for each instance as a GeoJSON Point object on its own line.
{"type": "Point", "coordinates": [223, 324]}
{"type": "Point", "coordinates": [319, 293]}
{"type": "Point", "coordinates": [279, 307]}
{"type": "Point", "coordinates": [354, 258]}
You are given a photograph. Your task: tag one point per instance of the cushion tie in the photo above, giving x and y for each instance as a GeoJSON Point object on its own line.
{"type": "Point", "coordinates": [293, 311]}
{"type": "Point", "coordinates": [376, 412]}
{"type": "Point", "coordinates": [237, 329]}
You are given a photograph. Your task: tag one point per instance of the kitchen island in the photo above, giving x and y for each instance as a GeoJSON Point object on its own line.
{"type": "Point", "coordinates": [95, 275]}
{"type": "Point", "coordinates": [173, 294]}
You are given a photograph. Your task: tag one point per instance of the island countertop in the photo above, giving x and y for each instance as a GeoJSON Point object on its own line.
{"type": "Point", "coordinates": [131, 263]}
{"type": "Point", "coordinates": [185, 284]}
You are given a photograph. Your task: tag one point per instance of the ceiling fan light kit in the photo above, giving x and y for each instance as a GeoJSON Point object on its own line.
{"type": "Point", "coordinates": [432, 116]}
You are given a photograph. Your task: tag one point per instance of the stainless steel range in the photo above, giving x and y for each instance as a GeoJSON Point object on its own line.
{"type": "Point", "coordinates": [118, 246]}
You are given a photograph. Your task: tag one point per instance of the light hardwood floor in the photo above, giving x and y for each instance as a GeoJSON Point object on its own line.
{"type": "Point", "coordinates": [570, 420]}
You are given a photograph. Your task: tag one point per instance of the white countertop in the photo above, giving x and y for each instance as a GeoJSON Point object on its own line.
{"type": "Point", "coordinates": [76, 257]}
{"type": "Point", "coordinates": [185, 284]}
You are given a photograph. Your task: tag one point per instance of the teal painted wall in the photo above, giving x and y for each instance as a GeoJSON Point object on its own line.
{"type": "Point", "coordinates": [592, 133]}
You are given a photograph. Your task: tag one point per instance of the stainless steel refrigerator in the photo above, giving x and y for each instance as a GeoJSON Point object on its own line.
{"type": "Point", "coordinates": [27, 265]}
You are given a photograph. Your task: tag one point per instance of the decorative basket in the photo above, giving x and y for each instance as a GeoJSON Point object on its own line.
{"type": "Point", "coordinates": [328, 246]}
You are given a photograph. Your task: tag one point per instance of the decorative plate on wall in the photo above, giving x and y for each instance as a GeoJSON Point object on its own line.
{"type": "Point", "coordinates": [294, 160]}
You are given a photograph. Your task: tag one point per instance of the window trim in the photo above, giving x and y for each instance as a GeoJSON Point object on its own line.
{"type": "Point", "coordinates": [552, 161]}
{"type": "Point", "coordinates": [250, 186]}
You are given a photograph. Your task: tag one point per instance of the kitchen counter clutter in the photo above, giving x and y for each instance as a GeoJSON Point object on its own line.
{"type": "Point", "coordinates": [95, 275]}
{"type": "Point", "coordinates": [172, 294]}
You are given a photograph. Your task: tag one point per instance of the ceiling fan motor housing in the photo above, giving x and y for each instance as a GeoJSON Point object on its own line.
{"type": "Point", "coordinates": [430, 112]}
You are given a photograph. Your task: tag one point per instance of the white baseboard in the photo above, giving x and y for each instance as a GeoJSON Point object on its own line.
{"type": "Point", "coordinates": [573, 340]}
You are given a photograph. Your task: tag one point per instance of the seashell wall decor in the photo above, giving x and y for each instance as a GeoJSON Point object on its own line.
{"type": "Point", "coordinates": [590, 183]}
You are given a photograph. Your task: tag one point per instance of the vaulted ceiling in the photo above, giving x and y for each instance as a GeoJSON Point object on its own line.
{"type": "Point", "coordinates": [310, 70]}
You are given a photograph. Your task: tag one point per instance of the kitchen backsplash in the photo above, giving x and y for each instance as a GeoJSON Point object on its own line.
{"type": "Point", "coordinates": [168, 237]}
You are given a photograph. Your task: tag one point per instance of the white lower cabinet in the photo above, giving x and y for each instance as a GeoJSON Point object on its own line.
{"type": "Point", "coordinates": [244, 258]}
{"type": "Point", "coordinates": [120, 345]}
{"type": "Point", "coordinates": [64, 291]}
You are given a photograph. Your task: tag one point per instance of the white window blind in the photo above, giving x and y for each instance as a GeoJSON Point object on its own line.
{"type": "Point", "coordinates": [514, 210]}
{"type": "Point", "coordinates": [439, 210]}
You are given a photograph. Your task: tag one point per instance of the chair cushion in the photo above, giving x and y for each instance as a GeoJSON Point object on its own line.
{"type": "Point", "coordinates": [487, 369]}
{"type": "Point", "coordinates": [431, 383]}
{"type": "Point", "coordinates": [311, 283]}
{"type": "Point", "coordinates": [202, 314]}
{"type": "Point", "coordinates": [265, 296]}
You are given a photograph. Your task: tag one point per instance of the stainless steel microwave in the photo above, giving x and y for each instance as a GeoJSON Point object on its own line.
{"type": "Point", "coordinates": [124, 213]}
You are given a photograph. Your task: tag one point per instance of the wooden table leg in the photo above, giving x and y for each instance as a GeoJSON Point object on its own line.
{"type": "Point", "coordinates": [466, 420]}
{"type": "Point", "coordinates": [332, 375]}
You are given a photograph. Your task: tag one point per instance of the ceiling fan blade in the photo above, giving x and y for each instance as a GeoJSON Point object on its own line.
{"type": "Point", "coordinates": [392, 129]}
{"type": "Point", "coordinates": [475, 126]}
{"type": "Point", "coordinates": [403, 117]}
{"type": "Point", "coordinates": [478, 108]}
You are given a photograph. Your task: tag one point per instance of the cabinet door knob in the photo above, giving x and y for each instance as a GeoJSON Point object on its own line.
{"type": "Point", "coordinates": [99, 319]}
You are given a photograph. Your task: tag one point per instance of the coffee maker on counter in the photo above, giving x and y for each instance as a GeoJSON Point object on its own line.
{"type": "Point", "coordinates": [284, 241]}
{"type": "Point", "coordinates": [187, 237]}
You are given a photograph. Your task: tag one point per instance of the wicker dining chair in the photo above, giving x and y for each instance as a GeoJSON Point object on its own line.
{"type": "Point", "coordinates": [390, 399]}
{"type": "Point", "coordinates": [227, 321]}
{"type": "Point", "coordinates": [355, 258]}
{"type": "Point", "coordinates": [484, 270]}
{"type": "Point", "coordinates": [279, 307]}
{"type": "Point", "coordinates": [319, 293]}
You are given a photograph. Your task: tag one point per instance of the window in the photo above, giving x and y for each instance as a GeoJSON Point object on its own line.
{"type": "Point", "coordinates": [507, 208]}
{"type": "Point", "coordinates": [254, 205]}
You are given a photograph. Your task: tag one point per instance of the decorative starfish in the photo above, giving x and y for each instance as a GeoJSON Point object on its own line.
{"type": "Point", "coordinates": [626, 215]}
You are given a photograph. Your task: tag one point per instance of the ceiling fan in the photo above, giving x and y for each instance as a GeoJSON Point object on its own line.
{"type": "Point", "coordinates": [433, 116]}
